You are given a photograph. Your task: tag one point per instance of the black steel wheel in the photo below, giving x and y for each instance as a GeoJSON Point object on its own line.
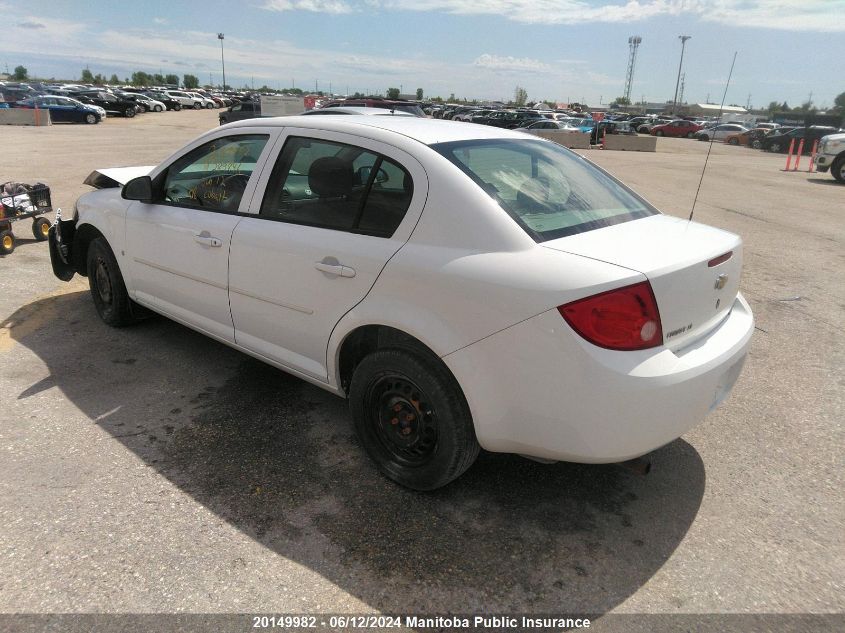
{"type": "Point", "coordinates": [41, 228]}
{"type": "Point", "coordinates": [412, 418]}
{"type": "Point", "coordinates": [837, 169]}
{"type": "Point", "coordinates": [106, 283]}
{"type": "Point", "coordinates": [7, 242]}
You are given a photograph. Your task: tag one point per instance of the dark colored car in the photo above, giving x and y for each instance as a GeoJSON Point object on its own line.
{"type": "Point", "coordinates": [169, 102]}
{"type": "Point", "coordinates": [781, 142]}
{"type": "Point", "coordinates": [109, 102]}
{"type": "Point", "coordinates": [62, 109]}
{"type": "Point", "coordinates": [240, 111]}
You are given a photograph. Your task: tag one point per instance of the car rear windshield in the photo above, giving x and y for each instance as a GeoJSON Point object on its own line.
{"type": "Point", "coordinates": [549, 191]}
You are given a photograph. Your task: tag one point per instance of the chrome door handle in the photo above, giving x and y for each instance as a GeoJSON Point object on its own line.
{"type": "Point", "coordinates": [206, 240]}
{"type": "Point", "coordinates": [335, 269]}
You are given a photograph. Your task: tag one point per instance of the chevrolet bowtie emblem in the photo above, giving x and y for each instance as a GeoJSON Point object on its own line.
{"type": "Point", "coordinates": [721, 280]}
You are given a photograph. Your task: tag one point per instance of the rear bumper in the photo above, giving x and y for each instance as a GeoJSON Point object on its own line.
{"type": "Point", "coordinates": [538, 389]}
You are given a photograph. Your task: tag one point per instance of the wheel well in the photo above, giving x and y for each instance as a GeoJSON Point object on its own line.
{"type": "Point", "coordinates": [85, 234]}
{"type": "Point", "coordinates": [367, 339]}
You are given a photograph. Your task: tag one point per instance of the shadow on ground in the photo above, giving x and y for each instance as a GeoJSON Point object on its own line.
{"type": "Point", "coordinates": [276, 458]}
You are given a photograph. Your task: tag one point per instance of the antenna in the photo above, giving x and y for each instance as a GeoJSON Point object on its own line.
{"type": "Point", "coordinates": [712, 138]}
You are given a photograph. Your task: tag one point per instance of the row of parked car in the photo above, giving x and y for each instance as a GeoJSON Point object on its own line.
{"type": "Point", "coordinates": [91, 104]}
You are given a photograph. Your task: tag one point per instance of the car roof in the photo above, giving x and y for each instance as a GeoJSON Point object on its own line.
{"type": "Point", "coordinates": [363, 110]}
{"type": "Point", "coordinates": [426, 131]}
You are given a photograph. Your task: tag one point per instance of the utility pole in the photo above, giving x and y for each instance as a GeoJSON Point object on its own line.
{"type": "Point", "coordinates": [633, 43]}
{"type": "Point", "coordinates": [681, 93]}
{"type": "Point", "coordinates": [683, 39]}
{"type": "Point", "coordinates": [222, 61]}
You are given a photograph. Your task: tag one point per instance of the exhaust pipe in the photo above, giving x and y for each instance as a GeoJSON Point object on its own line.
{"type": "Point", "coordinates": [638, 466]}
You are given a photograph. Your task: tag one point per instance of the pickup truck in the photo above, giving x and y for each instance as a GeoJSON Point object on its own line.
{"type": "Point", "coordinates": [831, 155]}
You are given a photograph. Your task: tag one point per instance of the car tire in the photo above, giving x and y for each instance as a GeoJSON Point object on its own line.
{"type": "Point", "coordinates": [129, 113]}
{"type": "Point", "coordinates": [177, 107]}
{"type": "Point", "coordinates": [733, 141]}
{"type": "Point", "coordinates": [837, 169]}
{"type": "Point", "coordinates": [90, 119]}
{"type": "Point", "coordinates": [7, 242]}
{"type": "Point", "coordinates": [197, 106]}
{"type": "Point", "coordinates": [209, 106]}
{"type": "Point", "coordinates": [412, 418]}
{"type": "Point", "coordinates": [774, 147]}
{"type": "Point", "coordinates": [691, 135]}
{"type": "Point", "coordinates": [41, 228]}
{"type": "Point", "coordinates": [108, 291]}
{"type": "Point", "coordinates": [704, 138]}
{"type": "Point", "coordinates": [158, 108]}
{"type": "Point", "coordinates": [658, 133]}
{"type": "Point", "coordinates": [757, 144]}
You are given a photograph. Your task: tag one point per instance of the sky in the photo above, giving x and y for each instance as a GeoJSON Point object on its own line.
{"type": "Point", "coordinates": [557, 50]}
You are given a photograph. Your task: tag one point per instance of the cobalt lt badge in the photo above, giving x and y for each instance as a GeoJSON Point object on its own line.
{"type": "Point", "coordinates": [721, 280]}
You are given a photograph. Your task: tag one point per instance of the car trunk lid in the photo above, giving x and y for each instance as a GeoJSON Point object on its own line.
{"type": "Point", "coordinates": [693, 269]}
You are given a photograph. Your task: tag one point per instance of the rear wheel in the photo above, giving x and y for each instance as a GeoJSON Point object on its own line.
{"type": "Point", "coordinates": [106, 283]}
{"type": "Point", "coordinates": [733, 141]}
{"type": "Point", "coordinates": [757, 144]}
{"type": "Point", "coordinates": [837, 170]}
{"type": "Point", "coordinates": [658, 133]}
{"type": "Point", "coordinates": [41, 228]}
{"type": "Point", "coordinates": [704, 138]}
{"type": "Point", "coordinates": [690, 134]}
{"type": "Point", "coordinates": [177, 107]}
{"type": "Point", "coordinates": [774, 147]}
{"type": "Point", "coordinates": [129, 113]}
{"type": "Point", "coordinates": [412, 418]}
{"type": "Point", "coordinates": [90, 118]}
{"type": "Point", "coordinates": [197, 105]}
{"type": "Point", "coordinates": [7, 242]}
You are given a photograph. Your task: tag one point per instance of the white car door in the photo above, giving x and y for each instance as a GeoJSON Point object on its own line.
{"type": "Point", "coordinates": [334, 210]}
{"type": "Point", "coordinates": [178, 246]}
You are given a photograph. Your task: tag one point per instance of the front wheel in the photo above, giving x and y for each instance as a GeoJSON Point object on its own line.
{"type": "Point", "coordinates": [197, 105]}
{"type": "Point", "coordinates": [690, 134]}
{"type": "Point", "coordinates": [177, 107]}
{"type": "Point", "coordinates": [129, 113]}
{"type": "Point", "coordinates": [158, 108]}
{"type": "Point", "coordinates": [108, 291]}
{"type": "Point", "coordinates": [757, 144]}
{"type": "Point", "coordinates": [41, 229]}
{"type": "Point", "coordinates": [733, 141]}
{"type": "Point", "coordinates": [774, 147]}
{"type": "Point", "coordinates": [7, 242]}
{"type": "Point", "coordinates": [90, 119]}
{"type": "Point", "coordinates": [658, 133]}
{"type": "Point", "coordinates": [412, 419]}
{"type": "Point", "coordinates": [837, 170]}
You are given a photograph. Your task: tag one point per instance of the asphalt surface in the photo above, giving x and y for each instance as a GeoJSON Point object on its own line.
{"type": "Point", "coordinates": [152, 470]}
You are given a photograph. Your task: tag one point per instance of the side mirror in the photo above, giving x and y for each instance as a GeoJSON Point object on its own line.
{"type": "Point", "coordinates": [140, 189]}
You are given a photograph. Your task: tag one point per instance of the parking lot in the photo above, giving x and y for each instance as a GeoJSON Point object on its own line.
{"type": "Point", "coordinates": [152, 470]}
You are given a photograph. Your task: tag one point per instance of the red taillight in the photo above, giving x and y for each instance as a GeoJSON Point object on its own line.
{"type": "Point", "coordinates": [623, 319]}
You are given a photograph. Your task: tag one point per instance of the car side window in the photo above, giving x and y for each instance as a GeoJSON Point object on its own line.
{"type": "Point", "coordinates": [337, 186]}
{"type": "Point", "coordinates": [214, 176]}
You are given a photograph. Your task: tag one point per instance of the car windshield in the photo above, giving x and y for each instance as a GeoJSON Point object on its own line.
{"type": "Point", "coordinates": [548, 190]}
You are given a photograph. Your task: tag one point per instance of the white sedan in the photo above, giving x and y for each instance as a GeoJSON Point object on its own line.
{"type": "Point", "coordinates": [463, 286]}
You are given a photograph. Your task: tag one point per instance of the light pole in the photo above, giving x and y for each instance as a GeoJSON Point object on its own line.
{"type": "Point", "coordinates": [683, 39]}
{"type": "Point", "coordinates": [222, 61]}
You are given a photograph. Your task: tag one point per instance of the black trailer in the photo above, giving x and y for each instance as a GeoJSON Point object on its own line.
{"type": "Point", "coordinates": [19, 201]}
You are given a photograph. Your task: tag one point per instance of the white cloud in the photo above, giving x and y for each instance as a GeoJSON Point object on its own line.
{"type": "Point", "coordinates": [494, 62]}
{"type": "Point", "coordinates": [796, 15]}
{"type": "Point", "coordinates": [316, 6]}
{"type": "Point", "coordinates": [160, 20]}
